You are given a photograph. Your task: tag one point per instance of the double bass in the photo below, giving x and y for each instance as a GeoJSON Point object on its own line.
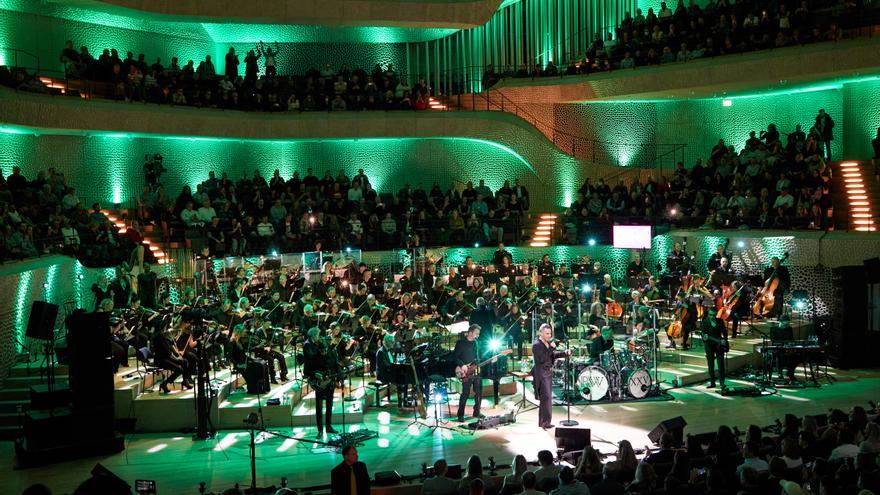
{"type": "Point", "coordinates": [675, 329]}
{"type": "Point", "coordinates": [765, 299]}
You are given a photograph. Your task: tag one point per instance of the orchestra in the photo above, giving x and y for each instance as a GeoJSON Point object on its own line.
{"type": "Point", "coordinates": [451, 320]}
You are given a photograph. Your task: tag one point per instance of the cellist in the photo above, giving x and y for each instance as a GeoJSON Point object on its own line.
{"type": "Point", "coordinates": [684, 323]}
{"type": "Point", "coordinates": [777, 280]}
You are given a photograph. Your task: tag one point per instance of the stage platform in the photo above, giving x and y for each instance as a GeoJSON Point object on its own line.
{"type": "Point", "coordinates": [137, 397]}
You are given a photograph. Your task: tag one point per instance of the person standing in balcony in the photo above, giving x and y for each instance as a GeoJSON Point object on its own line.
{"type": "Point", "coordinates": [825, 126]}
{"type": "Point", "coordinates": [231, 64]}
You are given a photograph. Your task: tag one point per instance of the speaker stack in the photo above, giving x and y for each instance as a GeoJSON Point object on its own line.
{"type": "Point", "coordinates": [846, 343]}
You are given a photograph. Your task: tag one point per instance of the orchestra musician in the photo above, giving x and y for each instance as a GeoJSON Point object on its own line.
{"type": "Point", "coordinates": [544, 354]}
{"type": "Point", "coordinates": [636, 267]}
{"type": "Point", "coordinates": [714, 343]}
{"type": "Point", "coordinates": [319, 368]}
{"type": "Point", "coordinates": [408, 284]}
{"type": "Point", "coordinates": [101, 289]}
{"type": "Point", "coordinates": [455, 280]}
{"type": "Point", "coordinates": [167, 357]}
{"type": "Point", "coordinates": [597, 315]}
{"type": "Point", "coordinates": [715, 260]}
{"type": "Point", "coordinates": [723, 267]}
{"type": "Point", "coordinates": [500, 255]}
{"type": "Point", "coordinates": [506, 272]}
{"type": "Point", "coordinates": [456, 308]}
{"type": "Point", "coordinates": [466, 353]}
{"type": "Point", "coordinates": [546, 271]}
{"type": "Point", "coordinates": [784, 276]}
{"type": "Point", "coordinates": [686, 314]}
{"type": "Point", "coordinates": [385, 369]}
{"type": "Point", "coordinates": [676, 261]}
{"type": "Point", "coordinates": [652, 292]}
{"type": "Point", "coordinates": [263, 350]}
{"type": "Point", "coordinates": [606, 290]}
{"type": "Point", "coordinates": [582, 269]}
{"type": "Point", "coordinates": [428, 278]}
{"type": "Point", "coordinates": [600, 344]}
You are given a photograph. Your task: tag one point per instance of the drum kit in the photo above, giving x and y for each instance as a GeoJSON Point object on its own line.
{"type": "Point", "coordinates": [618, 374]}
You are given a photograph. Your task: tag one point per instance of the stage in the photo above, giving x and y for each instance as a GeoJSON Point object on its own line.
{"type": "Point", "coordinates": [162, 447]}
{"type": "Point", "coordinates": [179, 463]}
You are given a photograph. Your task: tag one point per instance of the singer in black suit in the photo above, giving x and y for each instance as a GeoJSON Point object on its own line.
{"type": "Point", "coordinates": [544, 352]}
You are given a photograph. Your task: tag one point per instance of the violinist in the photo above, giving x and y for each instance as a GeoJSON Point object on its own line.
{"type": "Point", "coordinates": [345, 345]}
{"type": "Point", "coordinates": [513, 324]}
{"type": "Point", "coordinates": [238, 289]}
{"type": "Point", "coordinates": [102, 291]}
{"type": "Point", "coordinates": [320, 369]}
{"type": "Point", "coordinates": [265, 335]}
{"type": "Point", "coordinates": [636, 267]}
{"type": "Point", "coordinates": [359, 300]}
{"type": "Point", "coordinates": [438, 295]}
{"type": "Point", "coordinates": [167, 357]}
{"type": "Point", "coordinates": [235, 350]}
{"type": "Point", "coordinates": [275, 309]}
{"type": "Point", "coordinates": [369, 336]}
{"type": "Point", "coordinates": [699, 295]}
{"type": "Point", "coordinates": [223, 314]}
{"type": "Point", "coordinates": [307, 319]}
{"type": "Point", "coordinates": [470, 269]}
{"type": "Point", "coordinates": [376, 311]}
{"type": "Point", "coordinates": [141, 322]}
{"type": "Point", "coordinates": [483, 315]}
{"type": "Point", "coordinates": [189, 298]}
{"type": "Point", "coordinates": [185, 341]}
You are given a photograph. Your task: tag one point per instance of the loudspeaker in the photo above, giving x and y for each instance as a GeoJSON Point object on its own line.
{"type": "Point", "coordinates": [872, 270]}
{"type": "Point", "coordinates": [674, 425]}
{"type": "Point", "coordinates": [91, 362]}
{"type": "Point", "coordinates": [41, 324]}
{"type": "Point", "coordinates": [386, 478]}
{"type": "Point", "coordinates": [47, 429]}
{"type": "Point", "coordinates": [42, 398]}
{"type": "Point", "coordinates": [571, 439]}
{"type": "Point", "coordinates": [256, 375]}
{"type": "Point", "coordinates": [846, 343]}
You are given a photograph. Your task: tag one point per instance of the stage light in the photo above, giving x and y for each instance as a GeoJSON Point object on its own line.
{"type": "Point", "coordinates": [494, 344]}
{"type": "Point", "coordinates": [591, 242]}
{"type": "Point", "coordinates": [741, 244]}
{"type": "Point", "coordinates": [274, 253]}
{"type": "Point", "coordinates": [311, 219]}
{"type": "Point", "coordinates": [800, 304]}
{"type": "Point", "coordinates": [348, 250]}
{"type": "Point", "coordinates": [673, 212]}
{"type": "Point", "coordinates": [585, 288]}
{"type": "Point", "coordinates": [476, 244]}
{"type": "Point", "coordinates": [438, 397]}
{"type": "Point", "coordinates": [80, 276]}
{"type": "Point", "coordinates": [727, 102]}
{"type": "Point", "coordinates": [46, 285]}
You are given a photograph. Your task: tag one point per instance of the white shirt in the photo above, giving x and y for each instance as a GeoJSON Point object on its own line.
{"type": "Point", "coordinates": [206, 213]}
{"type": "Point", "coordinates": [755, 463]}
{"type": "Point", "coordinates": [844, 451]}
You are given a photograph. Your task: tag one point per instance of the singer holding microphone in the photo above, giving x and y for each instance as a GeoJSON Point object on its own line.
{"type": "Point", "coordinates": [544, 353]}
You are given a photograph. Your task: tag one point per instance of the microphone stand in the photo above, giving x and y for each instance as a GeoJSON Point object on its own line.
{"type": "Point", "coordinates": [567, 388]}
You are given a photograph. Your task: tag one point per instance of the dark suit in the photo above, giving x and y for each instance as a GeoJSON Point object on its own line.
{"type": "Point", "coordinates": [340, 479]}
{"type": "Point", "coordinates": [542, 374]}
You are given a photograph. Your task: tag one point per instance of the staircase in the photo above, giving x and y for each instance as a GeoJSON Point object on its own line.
{"type": "Point", "coordinates": [855, 196]}
{"type": "Point", "coordinates": [15, 395]}
{"type": "Point", "coordinates": [117, 218]}
{"type": "Point", "coordinates": [544, 230]}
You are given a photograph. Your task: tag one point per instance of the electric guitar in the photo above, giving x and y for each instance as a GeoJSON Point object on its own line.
{"type": "Point", "coordinates": [722, 344]}
{"type": "Point", "coordinates": [466, 371]}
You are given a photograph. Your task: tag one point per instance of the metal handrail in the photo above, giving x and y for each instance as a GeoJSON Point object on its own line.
{"type": "Point", "coordinates": [17, 51]}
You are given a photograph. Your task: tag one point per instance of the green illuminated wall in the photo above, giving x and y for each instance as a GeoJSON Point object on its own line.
{"type": "Point", "coordinates": [114, 162]}
{"type": "Point", "coordinates": [527, 32]}
{"type": "Point", "coordinates": [701, 122]}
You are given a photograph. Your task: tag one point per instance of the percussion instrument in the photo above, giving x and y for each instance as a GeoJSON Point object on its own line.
{"type": "Point", "coordinates": [636, 382]}
{"type": "Point", "coordinates": [592, 383]}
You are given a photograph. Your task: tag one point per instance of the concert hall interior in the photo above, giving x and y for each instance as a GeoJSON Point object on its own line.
{"type": "Point", "coordinates": [440, 247]}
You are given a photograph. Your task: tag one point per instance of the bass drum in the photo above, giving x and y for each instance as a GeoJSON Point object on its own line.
{"type": "Point", "coordinates": [636, 382]}
{"type": "Point", "coordinates": [592, 383]}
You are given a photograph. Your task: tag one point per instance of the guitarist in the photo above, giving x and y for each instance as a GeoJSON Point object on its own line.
{"type": "Point", "coordinates": [715, 344]}
{"type": "Point", "coordinates": [318, 368]}
{"type": "Point", "coordinates": [466, 353]}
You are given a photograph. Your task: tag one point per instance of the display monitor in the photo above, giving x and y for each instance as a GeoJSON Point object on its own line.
{"type": "Point", "coordinates": [632, 236]}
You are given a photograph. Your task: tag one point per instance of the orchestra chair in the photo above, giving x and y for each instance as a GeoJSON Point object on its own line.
{"type": "Point", "coordinates": [143, 356]}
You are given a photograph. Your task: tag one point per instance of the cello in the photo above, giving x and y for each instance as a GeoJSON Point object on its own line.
{"type": "Point", "coordinates": [765, 298]}
{"type": "Point", "coordinates": [675, 329]}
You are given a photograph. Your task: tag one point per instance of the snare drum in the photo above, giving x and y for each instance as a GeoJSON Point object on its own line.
{"type": "Point", "coordinates": [592, 383]}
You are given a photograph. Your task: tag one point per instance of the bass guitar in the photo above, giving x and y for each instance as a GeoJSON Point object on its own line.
{"type": "Point", "coordinates": [466, 371]}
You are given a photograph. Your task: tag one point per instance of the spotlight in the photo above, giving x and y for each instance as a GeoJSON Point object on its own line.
{"type": "Point", "coordinates": [800, 304]}
{"type": "Point", "coordinates": [80, 276]}
{"type": "Point", "coordinates": [591, 242]}
{"type": "Point", "coordinates": [494, 344]}
{"type": "Point", "coordinates": [673, 212]}
{"type": "Point", "coordinates": [311, 219]}
{"type": "Point", "coordinates": [585, 288]}
{"type": "Point", "coordinates": [348, 250]}
{"type": "Point", "coordinates": [727, 102]}
{"type": "Point", "coordinates": [46, 285]}
{"type": "Point", "coordinates": [741, 244]}
{"type": "Point", "coordinates": [274, 253]}
{"type": "Point", "coordinates": [476, 244]}
{"type": "Point", "coordinates": [438, 397]}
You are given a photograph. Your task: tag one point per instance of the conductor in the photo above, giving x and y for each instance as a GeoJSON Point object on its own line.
{"type": "Point", "coordinates": [544, 352]}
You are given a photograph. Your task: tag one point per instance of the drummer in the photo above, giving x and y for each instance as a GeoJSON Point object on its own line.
{"type": "Point", "coordinates": [601, 342]}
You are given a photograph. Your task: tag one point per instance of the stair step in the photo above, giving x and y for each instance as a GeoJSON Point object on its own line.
{"type": "Point", "coordinates": [15, 393]}
{"type": "Point", "coordinates": [9, 432]}
{"type": "Point", "coordinates": [10, 419]}
{"type": "Point", "coordinates": [13, 406]}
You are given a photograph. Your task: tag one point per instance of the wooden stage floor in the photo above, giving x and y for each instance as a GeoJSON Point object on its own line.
{"type": "Point", "coordinates": [178, 463]}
